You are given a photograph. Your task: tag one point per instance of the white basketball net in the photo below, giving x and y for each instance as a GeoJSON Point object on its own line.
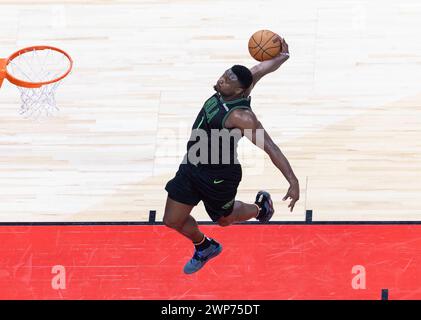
{"type": "Point", "coordinates": [39, 66]}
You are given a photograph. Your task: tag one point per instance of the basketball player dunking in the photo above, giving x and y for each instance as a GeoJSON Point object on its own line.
{"type": "Point", "coordinates": [216, 183]}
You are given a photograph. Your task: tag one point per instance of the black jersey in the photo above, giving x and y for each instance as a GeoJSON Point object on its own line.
{"type": "Point", "coordinates": [210, 142]}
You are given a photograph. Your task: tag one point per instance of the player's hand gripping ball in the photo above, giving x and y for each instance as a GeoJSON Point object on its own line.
{"type": "Point", "coordinates": [264, 45]}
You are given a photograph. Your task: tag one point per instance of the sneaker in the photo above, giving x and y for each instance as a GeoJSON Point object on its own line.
{"type": "Point", "coordinates": [200, 257]}
{"type": "Point", "coordinates": [265, 204]}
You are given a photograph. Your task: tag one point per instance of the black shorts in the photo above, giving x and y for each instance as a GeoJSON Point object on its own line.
{"type": "Point", "coordinates": [215, 186]}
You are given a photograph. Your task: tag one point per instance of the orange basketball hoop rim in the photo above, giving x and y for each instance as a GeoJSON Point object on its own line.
{"type": "Point", "coordinates": [4, 74]}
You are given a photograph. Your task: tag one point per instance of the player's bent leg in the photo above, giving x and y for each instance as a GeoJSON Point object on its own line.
{"type": "Point", "coordinates": [241, 212]}
{"type": "Point", "coordinates": [177, 216]}
{"type": "Point", "coordinates": [262, 210]}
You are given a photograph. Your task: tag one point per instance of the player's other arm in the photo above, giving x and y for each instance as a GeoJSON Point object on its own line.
{"type": "Point", "coordinates": [253, 130]}
{"type": "Point", "coordinates": [268, 66]}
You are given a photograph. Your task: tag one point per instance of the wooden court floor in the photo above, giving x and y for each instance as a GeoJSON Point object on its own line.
{"type": "Point", "coordinates": [345, 109]}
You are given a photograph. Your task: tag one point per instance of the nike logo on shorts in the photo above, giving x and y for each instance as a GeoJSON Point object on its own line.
{"type": "Point", "coordinates": [217, 181]}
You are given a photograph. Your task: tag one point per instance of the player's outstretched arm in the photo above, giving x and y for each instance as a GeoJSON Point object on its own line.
{"type": "Point", "coordinates": [268, 66]}
{"type": "Point", "coordinates": [247, 122]}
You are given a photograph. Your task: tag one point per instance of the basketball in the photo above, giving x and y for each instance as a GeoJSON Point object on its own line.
{"type": "Point", "coordinates": [264, 45]}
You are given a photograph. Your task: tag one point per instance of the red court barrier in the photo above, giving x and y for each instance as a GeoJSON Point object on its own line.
{"type": "Point", "coordinates": [258, 262]}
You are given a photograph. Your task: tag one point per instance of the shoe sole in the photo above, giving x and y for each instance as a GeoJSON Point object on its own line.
{"type": "Point", "coordinates": [267, 194]}
{"type": "Point", "coordinates": [213, 255]}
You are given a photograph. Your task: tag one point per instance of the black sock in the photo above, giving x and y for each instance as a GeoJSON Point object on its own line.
{"type": "Point", "coordinates": [205, 243]}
